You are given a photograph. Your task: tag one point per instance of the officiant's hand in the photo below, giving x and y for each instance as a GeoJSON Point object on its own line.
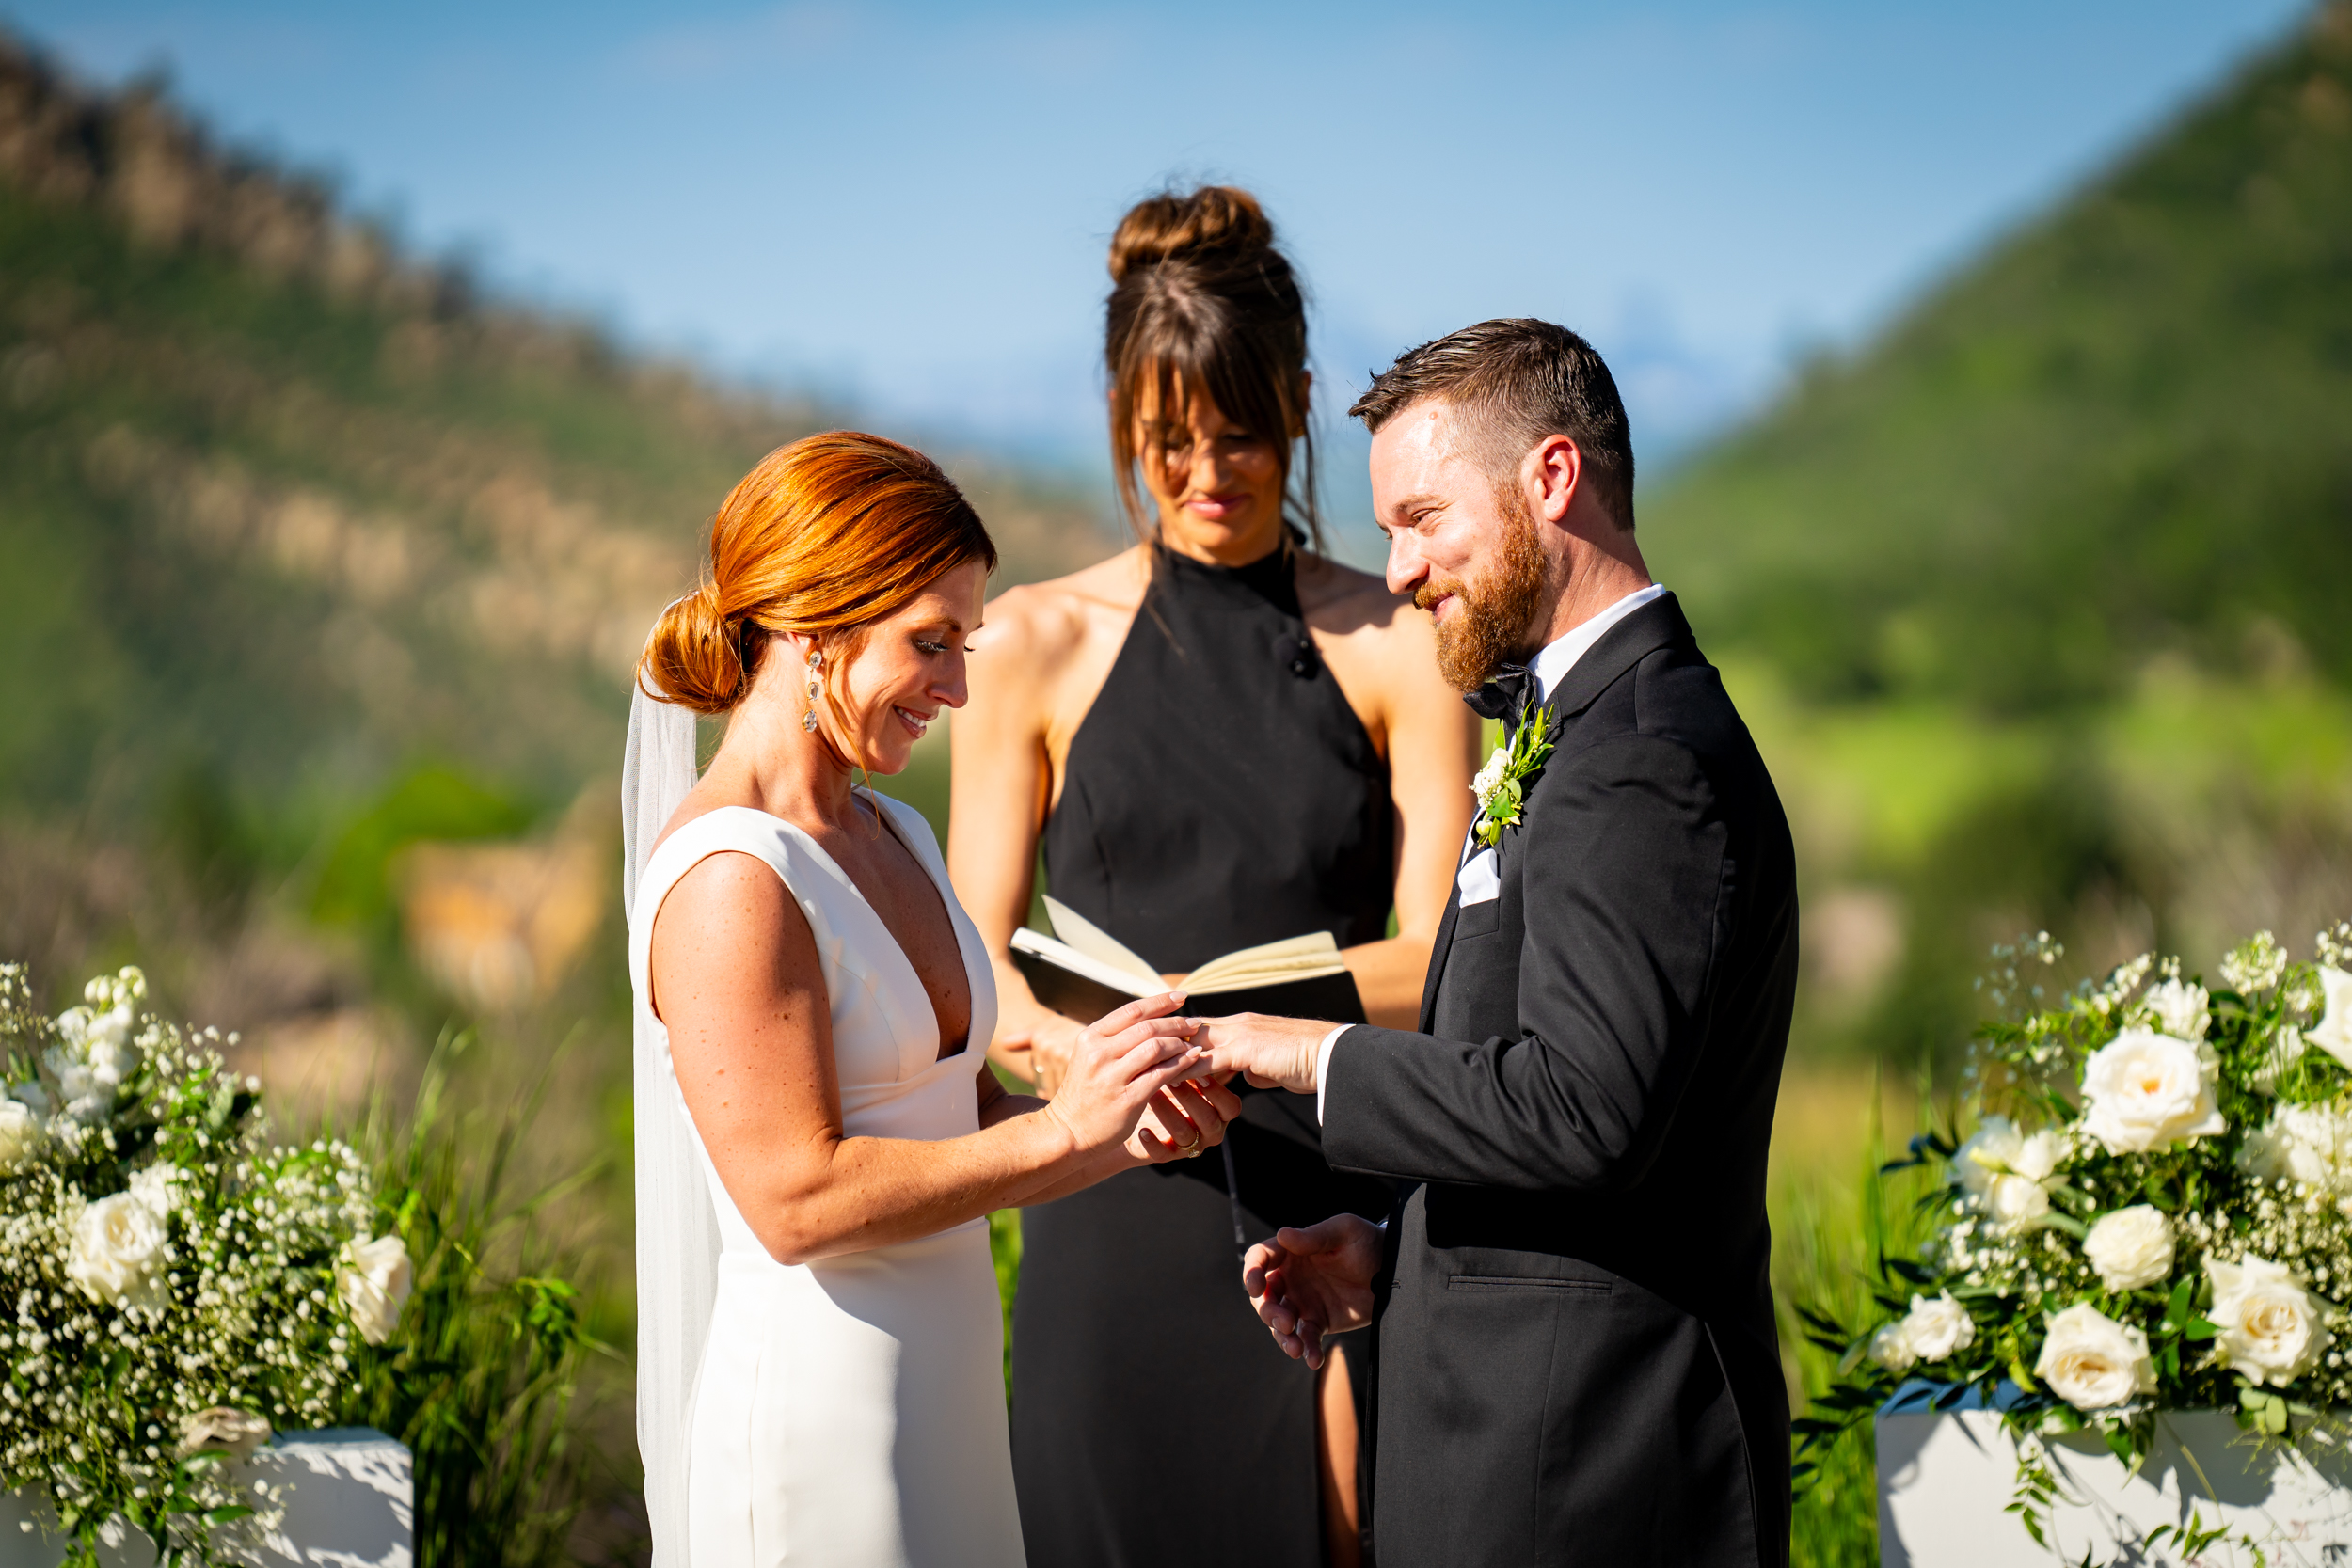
{"type": "Point", "coordinates": [1185, 1121]}
{"type": "Point", "coordinates": [1122, 1062]}
{"type": "Point", "coordinates": [1307, 1284]}
{"type": "Point", "coordinates": [1272, 1052]}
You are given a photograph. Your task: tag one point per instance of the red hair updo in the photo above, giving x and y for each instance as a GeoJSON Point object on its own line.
{"type": "Point", "coordinates": [825, 535]}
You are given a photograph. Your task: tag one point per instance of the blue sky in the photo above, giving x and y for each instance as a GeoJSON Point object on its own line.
{"type": "Point", "coordinates": [906, 205]}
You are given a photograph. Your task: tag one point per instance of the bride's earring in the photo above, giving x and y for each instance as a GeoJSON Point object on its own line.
{"type": "Point", "coordinates": [815, 663]}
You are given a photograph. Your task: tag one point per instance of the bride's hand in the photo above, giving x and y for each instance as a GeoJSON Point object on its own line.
{"type": "Point", "coordinates": [1120, 1062]}
{"type": "Point", "coordinates": [1053, 1041]}
{"type": "Point", "coordinates": [1183, 1120]}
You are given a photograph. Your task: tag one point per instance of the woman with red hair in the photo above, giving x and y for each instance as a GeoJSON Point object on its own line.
{"type": "Point", "coordinates": [819, 1138]}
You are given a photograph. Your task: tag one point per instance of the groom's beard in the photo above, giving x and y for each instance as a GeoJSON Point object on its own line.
{"type": "Point", "coordinates": [1490, 621]}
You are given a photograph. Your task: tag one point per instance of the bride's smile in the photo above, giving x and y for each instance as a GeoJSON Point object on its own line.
{"type": "Point", "coordinates": [898, 677]}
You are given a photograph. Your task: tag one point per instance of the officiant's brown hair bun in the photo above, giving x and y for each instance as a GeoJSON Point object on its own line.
{"type": "Point", "coordinates": [1201, 301]}
{"type": "Point", "coordinates": [824, 536]}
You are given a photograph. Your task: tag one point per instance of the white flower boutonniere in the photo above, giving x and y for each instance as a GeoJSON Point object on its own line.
{"type": "Point", "coordinates": [1501, 784]}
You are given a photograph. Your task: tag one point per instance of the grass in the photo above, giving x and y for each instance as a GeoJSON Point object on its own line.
{"type": "Point", "coordinates": [1831, 1217]}
{"type": "Point", "coordinates": [479, 1381]}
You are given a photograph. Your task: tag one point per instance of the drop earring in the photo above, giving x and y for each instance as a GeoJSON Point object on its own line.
{"type": "Point", "coordinates": [815, 663]}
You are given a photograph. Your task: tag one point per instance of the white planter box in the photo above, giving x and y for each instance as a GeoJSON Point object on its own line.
{"type": "Point", "coordinates": [350, 1494]}
{"type": "Point", "coordinates": [1944, 1480]}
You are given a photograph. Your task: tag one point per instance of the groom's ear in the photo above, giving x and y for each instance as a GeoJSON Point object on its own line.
{"type": "Point", "coordinates": [1551, 474]}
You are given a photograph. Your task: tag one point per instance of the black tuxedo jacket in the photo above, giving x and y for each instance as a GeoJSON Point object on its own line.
{"type": "Point", "coordinates": [1573, 1352]}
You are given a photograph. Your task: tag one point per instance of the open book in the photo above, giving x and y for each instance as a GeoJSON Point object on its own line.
{"type": "Point", "coordinates": [1083, 972]}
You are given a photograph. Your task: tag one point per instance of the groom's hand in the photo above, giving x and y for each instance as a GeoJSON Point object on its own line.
{"type": "Point", "coordinates": [1307, 1284]}
{"type": "Point", "coordinates": [1272, 1052]}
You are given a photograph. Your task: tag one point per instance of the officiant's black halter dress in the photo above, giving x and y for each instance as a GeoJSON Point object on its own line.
{"type": "Point", "coordinates": [1220, 793]}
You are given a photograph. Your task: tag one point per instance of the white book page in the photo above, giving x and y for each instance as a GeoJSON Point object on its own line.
{"type": "Point", "coordinates": [1097, 944]}
{"type": "Point", "coordinates": [1066, 957]}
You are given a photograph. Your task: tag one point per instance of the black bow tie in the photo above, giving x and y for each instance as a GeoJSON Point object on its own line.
{"type": "Point", "coordinates": [1506, 696]}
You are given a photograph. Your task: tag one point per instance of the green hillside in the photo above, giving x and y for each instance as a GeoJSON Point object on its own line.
{"type": "Point", "coordinates": [2043, 599]}
{"type": "Point", "coordinates": [286, 518]}
{"type": "Point", "coordinates": [2123, 432]}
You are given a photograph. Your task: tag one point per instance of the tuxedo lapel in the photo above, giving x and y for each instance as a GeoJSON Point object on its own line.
{"type": "Point", "coordinates": [1624, 646]}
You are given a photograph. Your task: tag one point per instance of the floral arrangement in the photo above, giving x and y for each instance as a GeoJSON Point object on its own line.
{"type": "Point", "coordinates": [173, 1288]}
{"type": "Point", "coordinates": [2154, 1211]}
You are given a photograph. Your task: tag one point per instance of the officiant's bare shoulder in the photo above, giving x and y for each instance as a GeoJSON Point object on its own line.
{"type": "Point", "coordinates": [1047, 647]}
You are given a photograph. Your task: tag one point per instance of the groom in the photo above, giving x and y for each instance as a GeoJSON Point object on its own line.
{"type": "Point", "coordinates": [1572, 1342]}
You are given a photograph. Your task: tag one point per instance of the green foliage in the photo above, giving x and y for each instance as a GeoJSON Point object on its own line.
{"type": "Point", "coordinates": [1004, 1247]}
{"type": "Point", "coordinates": [481, 1381]}
{"type": "Point", "coordinates": [432, 802]}
{"type": "Point", "coordinates": [1827, 1245]}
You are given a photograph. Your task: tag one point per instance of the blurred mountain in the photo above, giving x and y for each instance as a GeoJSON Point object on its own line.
{"type": "Point", "coordinates": [307, 543]}
{"type": "Point", "coordinates": [2043, 597]}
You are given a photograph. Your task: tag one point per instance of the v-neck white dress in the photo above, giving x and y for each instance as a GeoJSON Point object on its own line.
{"type": "Point", "coordinates": [851, 1412]}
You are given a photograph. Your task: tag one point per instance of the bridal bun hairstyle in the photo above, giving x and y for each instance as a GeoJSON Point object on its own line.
{"type": "Point", "coordinates": [1201, 301]}
{"type": "Point", "coordinates": [825, 537]}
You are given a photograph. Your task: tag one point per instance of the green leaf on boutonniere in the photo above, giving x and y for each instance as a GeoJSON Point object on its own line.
{"type": "Point", "coordinates": [1501, 784]}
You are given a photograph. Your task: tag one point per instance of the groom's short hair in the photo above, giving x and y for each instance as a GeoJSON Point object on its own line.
{"type": "Point", "coordinates": [1511, 383]}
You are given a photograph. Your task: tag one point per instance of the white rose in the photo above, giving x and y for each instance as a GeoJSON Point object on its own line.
{"type": "Point", "coordinates": [118, 1242]}
{"type": "Point", "coordinates": [2307, 1144]}
{"type": "Point", "coordinates": [158, 1186]}
{"type": "Point", "coordinates": [1938, 1329]}
{"type": "Point", "coordinates": [2130, 1247]}
{"type": "Point", "coordinates": [2270, 1331]}
{"type": "Point", "coordinates": [86, 1099]}
{"type": "Point", "coordinates": [2008, 1169]}
{"type": "Point", "coordinates": [2013, 1202]}
{"type": "Point", "coordinates": [223, 1430]}
{"type": "Point", "coordinates": [20, 1134]}
{"type": "Point", "coordinates": [1491, 774]}
{"type": "Point", "coordinates": [2180, 1009]}
{"type": "Point", "coordinates": [2148, 1091]}
{"type": "Point", "coordinates": [2092, 1362]}
{"type": "Point", "coordinates": [1891, 1346]}
{"type": "Point", "coordinates": [374, 1279]}
{"type": "Point", "coordinates": [2333, 1032]}
{"type": "Point", "coordinates": [32, 1097]}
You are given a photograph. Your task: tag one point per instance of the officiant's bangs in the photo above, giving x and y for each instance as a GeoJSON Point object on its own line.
{"type": "Point", "coordinates": [824, 536]}
{"type": "Point", "coordinates": [1203, 305]}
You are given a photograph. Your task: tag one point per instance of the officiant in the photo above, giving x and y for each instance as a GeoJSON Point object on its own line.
{"type": "Point", "coordinates": [1219, 738]}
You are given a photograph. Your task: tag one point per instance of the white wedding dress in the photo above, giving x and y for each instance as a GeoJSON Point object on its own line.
{"type": "Point", "coordinates": [849, 1412]}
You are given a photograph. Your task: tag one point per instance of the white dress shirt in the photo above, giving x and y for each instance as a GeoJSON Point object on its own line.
{"type": "Point", "coordinates": [1549, 667]}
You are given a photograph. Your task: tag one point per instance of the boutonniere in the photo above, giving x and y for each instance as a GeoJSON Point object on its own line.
{"type": "Point", "coordinates": [1501, 784]}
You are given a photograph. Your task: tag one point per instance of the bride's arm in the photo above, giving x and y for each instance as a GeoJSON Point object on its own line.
{"type": "Point", "coordinates": [737, 980]}
{"type": "Point", "coordinates": [1183, 1121]}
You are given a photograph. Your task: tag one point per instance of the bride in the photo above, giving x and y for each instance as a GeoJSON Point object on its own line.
{"type": "Point", "coordinates": [819, 1136]}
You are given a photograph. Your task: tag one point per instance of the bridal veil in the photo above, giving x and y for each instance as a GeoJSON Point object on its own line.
{"type": "Point", "coordinates": [678, 1234]}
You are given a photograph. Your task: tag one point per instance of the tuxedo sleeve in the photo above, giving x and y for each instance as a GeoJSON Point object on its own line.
{"type": "Point", "coordinates": [1626, 887]}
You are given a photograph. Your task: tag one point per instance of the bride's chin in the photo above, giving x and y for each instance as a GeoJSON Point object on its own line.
{"type": "Point", "coordinates": [887, 754]}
